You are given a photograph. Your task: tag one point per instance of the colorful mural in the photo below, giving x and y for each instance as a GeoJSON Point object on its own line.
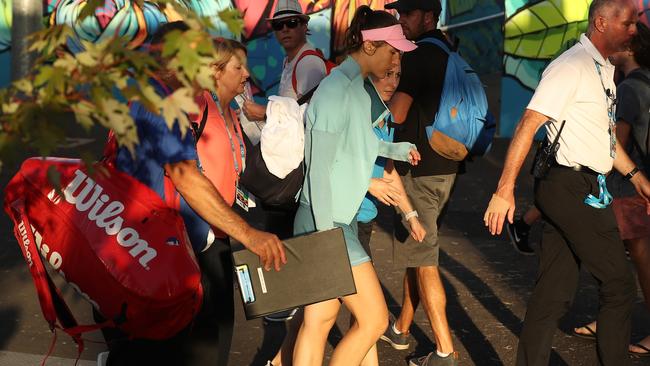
{"type": "Point", "coordinates": [480, 43]}
{"type": "Point", "coordinates": [535, 32]}
{"type": "Point", "coordinates": [5, 42]}
{"type": "Point", "coordinates": [127, 19]}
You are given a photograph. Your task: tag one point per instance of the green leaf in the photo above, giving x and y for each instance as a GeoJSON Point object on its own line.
{"type": "Point", "coordinates": [83, 112]}
{"type": "Point", "coordinates": [24, 86]}
{"type": "Point", "coordinates": [233, 19]}
{"type": "Point", "coordinates": [43, 76]}
{"type": "Point", "coordinates": [54, 177]}
{"type": "Point", "coordinates": [10, 107]}
{"type": "Point", "coordinates": [176, 107]}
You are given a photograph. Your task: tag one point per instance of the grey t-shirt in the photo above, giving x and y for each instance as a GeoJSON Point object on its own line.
{"type": "Point", "coordinates": [633, 107]}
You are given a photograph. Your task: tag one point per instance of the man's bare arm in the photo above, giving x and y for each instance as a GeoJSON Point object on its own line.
{"type": "Point", "coordinates": [504, 203]}
{"type": "Point", "coordinates": [204, 198]}
{"type": "Point", "coordinates": [399, 106]}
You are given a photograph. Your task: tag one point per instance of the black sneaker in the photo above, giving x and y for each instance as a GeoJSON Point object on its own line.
{"type": "Point", "coordinates": [397, 341]}
{"type": "Point", "coordinates": [432, 359]}
{"type": "Point", "coordinates": [518, 233]}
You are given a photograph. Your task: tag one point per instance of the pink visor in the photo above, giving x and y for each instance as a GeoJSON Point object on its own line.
{"type": "Point", "coordinates": [392, 35]}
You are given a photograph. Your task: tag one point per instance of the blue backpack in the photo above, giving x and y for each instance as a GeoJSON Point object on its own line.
{"type": "Point", "coordinates": [463, 126]}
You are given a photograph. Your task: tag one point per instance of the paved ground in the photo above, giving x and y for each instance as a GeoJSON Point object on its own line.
{"type": "Point", "coordinates": [487, 286]}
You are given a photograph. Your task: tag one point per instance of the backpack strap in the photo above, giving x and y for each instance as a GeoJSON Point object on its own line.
{"type": "Point", "coordinates": [294, 79]}
{"type": "Point", "coordinates": [54, 308]}
{"type": "Point", "coordinates": [437, 42]}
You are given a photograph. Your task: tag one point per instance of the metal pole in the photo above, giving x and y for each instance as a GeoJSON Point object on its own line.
{"type": "Point", "coordinates": [27, 18]}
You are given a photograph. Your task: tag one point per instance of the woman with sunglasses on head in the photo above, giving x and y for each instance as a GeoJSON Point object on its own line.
{"type": "Point", "coordinates": [340, 151]}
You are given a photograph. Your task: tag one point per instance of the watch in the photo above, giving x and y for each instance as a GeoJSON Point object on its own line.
{"type": "Point", "coordinates": [631, 174]}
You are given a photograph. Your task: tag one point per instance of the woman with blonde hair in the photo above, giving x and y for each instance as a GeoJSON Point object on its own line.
{"type": "Point", "coordinates": [222, 157]}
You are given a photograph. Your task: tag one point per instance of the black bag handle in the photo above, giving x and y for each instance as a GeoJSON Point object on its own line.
{"type": "Point", "coordinates": [198, 128]}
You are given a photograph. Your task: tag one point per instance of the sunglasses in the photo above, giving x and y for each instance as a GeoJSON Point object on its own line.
{"type": "Point", "coordinates": [291, 24]}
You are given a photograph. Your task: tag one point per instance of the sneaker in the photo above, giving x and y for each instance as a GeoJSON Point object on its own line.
{"type": "Point", "coordinates": [432, 359]}
{"type": "Point", "coordinates": [518, 233]}
{"type": "Point", "coordinates": [102, 358]}
{"type": "Point", "coordinates": [282, 316]}
{"type": "Point", "coordinates": [397, 341]}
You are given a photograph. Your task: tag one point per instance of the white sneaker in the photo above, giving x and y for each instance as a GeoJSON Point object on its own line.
{"type": "Point", "coordinates": [102, 358]}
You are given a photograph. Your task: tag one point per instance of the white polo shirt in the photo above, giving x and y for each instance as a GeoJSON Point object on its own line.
{"type": "Point", "coordinates": [571, 89]}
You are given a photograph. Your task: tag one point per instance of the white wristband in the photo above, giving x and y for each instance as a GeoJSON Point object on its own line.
{"type": "Point", "coordinates": [410, 215]}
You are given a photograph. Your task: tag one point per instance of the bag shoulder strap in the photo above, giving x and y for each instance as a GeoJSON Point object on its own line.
{"type": "Point", "coordinates": [52, 303]}
{"type": "Point", "coordinates": [294, 78]}
{"type": "Point", "coordinates": [198, 128]}
{"type": "Point", "coordinates": [437, 42]}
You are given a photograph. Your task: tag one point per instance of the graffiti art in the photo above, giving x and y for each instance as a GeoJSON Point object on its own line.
{"type": "Point", "coordinates": [535, 33]}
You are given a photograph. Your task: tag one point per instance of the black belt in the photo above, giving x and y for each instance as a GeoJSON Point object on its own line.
{"type": "Point", "coordinates": [577, 168]}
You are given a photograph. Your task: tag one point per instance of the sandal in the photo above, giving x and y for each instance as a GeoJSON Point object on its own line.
{"type": "Point", "coordinates": [591, 335]}
{"type": "Point", "coordinates": [640, 354]}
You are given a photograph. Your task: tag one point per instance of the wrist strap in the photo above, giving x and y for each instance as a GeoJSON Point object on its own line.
{"type": "Point", "coordinates": [631, 174]}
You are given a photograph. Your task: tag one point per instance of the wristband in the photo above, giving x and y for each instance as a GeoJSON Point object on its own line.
{"type": "Point", "coordinates": [631, 174]}
{"type": "Point", "coordinates": [410, 215]}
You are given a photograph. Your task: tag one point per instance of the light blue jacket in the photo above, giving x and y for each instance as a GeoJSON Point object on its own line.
{"type": "Point", "coordinates": [341, 146]}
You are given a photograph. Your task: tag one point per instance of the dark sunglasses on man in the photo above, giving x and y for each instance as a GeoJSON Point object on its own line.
{"type": "Point", "coordinates": [291, 23]}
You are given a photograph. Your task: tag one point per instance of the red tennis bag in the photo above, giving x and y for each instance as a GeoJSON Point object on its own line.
{"type": "Point", "coordinates": [113, 239]}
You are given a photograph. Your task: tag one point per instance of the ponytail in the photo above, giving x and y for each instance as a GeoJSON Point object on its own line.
{"type": "Point", "coordinates": [365, 18]}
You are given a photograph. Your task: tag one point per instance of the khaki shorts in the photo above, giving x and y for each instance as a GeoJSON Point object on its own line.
{"type": "Point", "coordinates": [428, 195]}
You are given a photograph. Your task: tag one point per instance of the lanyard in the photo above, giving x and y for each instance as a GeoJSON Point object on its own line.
{"type": "Point", "coordinates": [604, 197]}
{"type": "Point", "coordinates": [610, 100]}
{"type": "Point", "coordinates": [242, 151]}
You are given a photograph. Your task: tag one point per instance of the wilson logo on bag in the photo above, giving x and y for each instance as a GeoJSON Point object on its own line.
{"type": "Point", "coordinates": [463, 126]}
{"type": "Point", "coordinates": [109, 236]}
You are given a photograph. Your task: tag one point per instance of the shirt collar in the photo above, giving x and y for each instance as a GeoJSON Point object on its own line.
{"type": "Point", "coordinates": [592, 51]}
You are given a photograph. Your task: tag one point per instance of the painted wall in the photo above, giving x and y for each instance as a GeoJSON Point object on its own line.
{"type": "Point", "coordinates": [480, 43]}
{"type": "Point", "coordinates": [536, 32]}
{"type": "Point", "coordinates": [328, 22]}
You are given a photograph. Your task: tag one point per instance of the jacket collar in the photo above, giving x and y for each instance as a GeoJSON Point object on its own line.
{"type": "Point", "coordinates": [378, 109]}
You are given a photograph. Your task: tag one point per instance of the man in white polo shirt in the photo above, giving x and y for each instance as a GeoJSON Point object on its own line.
{"type": "Point", "coordinates": [578, 88]}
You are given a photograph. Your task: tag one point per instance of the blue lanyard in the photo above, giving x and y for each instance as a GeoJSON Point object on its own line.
{"type": "Point", "coordinates": [242, 151]}
{"type": "Point", "coordinates": [604, 197]}
{"type": "Point", "coordinates": [610, 100]}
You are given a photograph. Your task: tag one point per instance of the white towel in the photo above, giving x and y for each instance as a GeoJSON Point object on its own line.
{"type": "Point", "coordinates": [283, 136]}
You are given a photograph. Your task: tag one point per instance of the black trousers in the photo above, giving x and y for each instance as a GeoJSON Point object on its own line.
{"type": "Point", "coordinates": [577, 235]}
{"type": "Point", "coordinates": [207, 340]}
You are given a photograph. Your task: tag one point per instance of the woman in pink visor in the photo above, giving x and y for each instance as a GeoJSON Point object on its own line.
{"type": "Point", "coordinates": [340, 152]}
